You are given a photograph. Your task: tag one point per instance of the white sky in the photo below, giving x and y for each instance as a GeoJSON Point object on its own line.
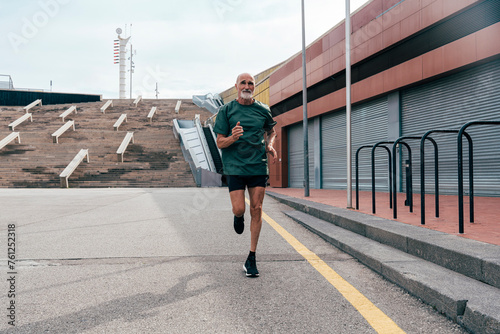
{"type": "Point", "coordinates": [186, 46]}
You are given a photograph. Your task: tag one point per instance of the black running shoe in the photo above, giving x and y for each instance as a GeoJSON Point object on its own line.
{"type": "Point", "coordinates": [239, 224]}
{"type": "Point", "coordinates": [250, 267]}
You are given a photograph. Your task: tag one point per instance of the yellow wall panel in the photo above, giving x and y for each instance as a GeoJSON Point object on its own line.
{"type": "Point", "coordinates": [261, 92]}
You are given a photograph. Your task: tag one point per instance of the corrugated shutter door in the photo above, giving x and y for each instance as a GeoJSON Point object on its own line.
{"type": "Point", "coordinates": [449, 103]}
{"type": "Point", "coordinates": [334, 150]}
{"type": "Point", "coordinates": [296, 155]}
{"type": "Point", "coordinates": [370, 123]}
{"type": "Point", "coordinates": [369, 126]}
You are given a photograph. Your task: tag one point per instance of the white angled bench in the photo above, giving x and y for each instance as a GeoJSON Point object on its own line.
{"type": "Point", "coordinates": [67, 112]}
{"type": "Point", "coordinates": [106, 105]}
{"type": "Point", "coordinates": [32, 104]}
{"type": "Point", "coordinates": [123, 146]}
{"type": "Point", "coordinates": [151, 114]}
{"type": "Point", "coordinates": [61, 130]}
{"type": "Point", "coordinates": [137, 100]}
{"type": "Point", "coordinates": [178, 106]}
{"type": "Point", "coordinates": [4, 142]}
{"type": "Point", "coordinates": [123, 117]}
{"type": "Point", "coordinates": [20, 120]}
{"type": "Point", "coordinates": [66, 173]}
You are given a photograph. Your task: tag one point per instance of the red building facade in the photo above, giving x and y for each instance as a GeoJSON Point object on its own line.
{"type": "Point", "coordinates": [397, 48]}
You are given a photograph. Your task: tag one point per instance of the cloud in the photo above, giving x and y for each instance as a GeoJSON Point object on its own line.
{"type": "Point", "coordinates": [188, 47]}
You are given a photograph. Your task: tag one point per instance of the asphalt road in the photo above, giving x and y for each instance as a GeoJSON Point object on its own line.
{"type": "Point", "coordinates": [169, 261]}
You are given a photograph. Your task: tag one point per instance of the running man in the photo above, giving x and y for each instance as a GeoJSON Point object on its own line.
{"type": "Point", "coordinates": [245, 134]}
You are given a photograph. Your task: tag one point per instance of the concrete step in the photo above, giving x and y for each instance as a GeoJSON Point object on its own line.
{"type": "Point", "coordinates": [156, 156]}
{"type": "Point", "coordinates": [458, 276]}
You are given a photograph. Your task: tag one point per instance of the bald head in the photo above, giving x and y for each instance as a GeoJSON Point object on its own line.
{"type": "Point", "coordinates": [246, 76]}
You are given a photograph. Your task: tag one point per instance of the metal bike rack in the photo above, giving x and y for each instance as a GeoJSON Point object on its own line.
{"type": "Point", "coordinates": [357, 175]}
{"type": "Point", "coordinates": [436, 169]}
{"type": "Point", "coordinates": [373, 172]}
{"type": "Point", "coordinates": [461, 174]}
{"type": "Point", "coordinates": [394, 160]}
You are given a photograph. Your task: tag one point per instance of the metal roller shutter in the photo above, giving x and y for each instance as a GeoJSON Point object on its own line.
{"type": "Point", "coordinates": [296, 155]}
{"type": "Point", "coordinates": [449, 103]}
{"type": "Point", "coordinates": [369, 126]}
{"type": "Point", "coordinates": [334, 150]}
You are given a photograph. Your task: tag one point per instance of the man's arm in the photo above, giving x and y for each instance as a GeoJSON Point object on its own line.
{"type": "Point", "coordinates": [270, 136]}
{"type": "Point", "coordinates": [226, 141]}
{"type": "Point", "coordinates": [223, 141]}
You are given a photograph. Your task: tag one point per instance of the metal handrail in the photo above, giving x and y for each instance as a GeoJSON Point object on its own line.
{"type": "Point", "coordinates": [461, 175]}
{"type": "Point", "coordinates": [211, 120]}
{"type": "Point", "coordinates": [373, 172]}
{"type": "Point", "coordinates": [9, 81]}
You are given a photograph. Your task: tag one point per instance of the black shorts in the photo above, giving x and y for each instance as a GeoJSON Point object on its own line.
{"type": "Point", "coordinates": [239, 182]}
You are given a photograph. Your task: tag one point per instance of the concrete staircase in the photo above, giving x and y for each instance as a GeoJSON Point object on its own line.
{"type": "Point", "coordinates": [154, 160]}
{"type": "Point", "coordinates": [459, 277]}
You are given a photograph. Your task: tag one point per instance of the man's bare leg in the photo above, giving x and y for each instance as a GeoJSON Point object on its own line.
{"type": "Point", "coordinates": [238, 203]}
{"type": "Point", "coordinates": [256, 199]}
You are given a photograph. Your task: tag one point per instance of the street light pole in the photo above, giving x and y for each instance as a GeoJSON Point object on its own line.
{"type": "Point", "coordinates": [304, 107]}
{"type": "Point", "coordinates": [348, 100]}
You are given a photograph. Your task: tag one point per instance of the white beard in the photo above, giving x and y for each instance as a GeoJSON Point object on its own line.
{"type": "Point", "coordinates": [246, 95]}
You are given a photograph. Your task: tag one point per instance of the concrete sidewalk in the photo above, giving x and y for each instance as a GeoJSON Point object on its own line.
{"type": "Point", "coordinates": [460, 277]}
{"type": "Point", "coordinates": [486, 227]}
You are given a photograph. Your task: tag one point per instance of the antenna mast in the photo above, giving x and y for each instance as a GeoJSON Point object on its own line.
{"type": "Point", "coordinates": [120, 45]}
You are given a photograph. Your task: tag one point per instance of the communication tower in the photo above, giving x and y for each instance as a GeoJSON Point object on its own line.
{"type": "Point", "coordinates": [119, 58]}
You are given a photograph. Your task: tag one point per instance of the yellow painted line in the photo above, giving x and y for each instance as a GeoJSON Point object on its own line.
{"type": "Point", "coordinates": [375, 317]}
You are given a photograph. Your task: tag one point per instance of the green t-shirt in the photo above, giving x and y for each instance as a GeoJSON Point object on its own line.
{"type": "Point", "coordinates": [246, 156]}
